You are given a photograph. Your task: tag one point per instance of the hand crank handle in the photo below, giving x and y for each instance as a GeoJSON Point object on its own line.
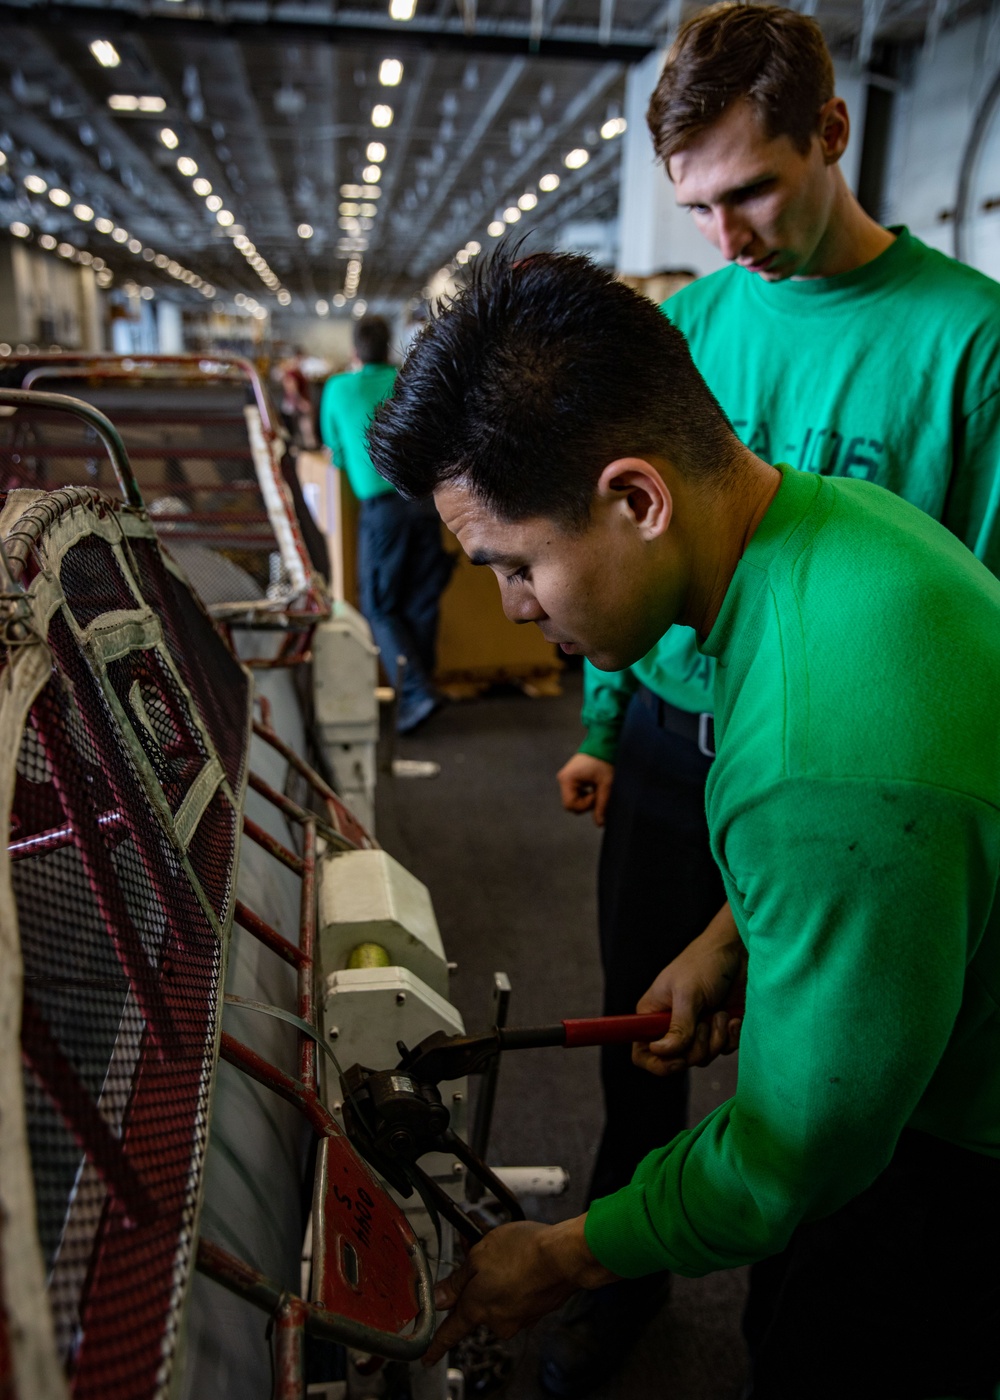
{"type": "Point", "coordinates": [594, 1030]}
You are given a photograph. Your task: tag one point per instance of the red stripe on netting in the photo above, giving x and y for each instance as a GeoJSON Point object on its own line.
{"type": "Point", "coordinates": [80, 1114]}
{"type": "Point", "coordinates": [121, 1352]}
{"type": "Point", "coordinates": [101, 874]}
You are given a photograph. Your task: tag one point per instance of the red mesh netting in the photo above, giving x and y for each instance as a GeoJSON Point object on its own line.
{"type": "Point", "coordinates": [122, 970]}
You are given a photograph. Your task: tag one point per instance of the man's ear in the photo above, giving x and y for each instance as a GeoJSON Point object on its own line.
{"type": "Point", "coordinates": [638, 487]}
{"type": "Point", "coordinates": [834, 129]}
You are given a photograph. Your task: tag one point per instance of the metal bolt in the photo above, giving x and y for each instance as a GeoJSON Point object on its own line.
{"type": "Point", "coordinates": [400, 998]}
{"type": "Point", "coordinates": [337, 1105]}
{"type": "Point", "coordinates": [457, 1098]}
{"type": "Point", "coordinates": [333, 1032]}
{"type": "Point", "coordinates": [458, 1168]}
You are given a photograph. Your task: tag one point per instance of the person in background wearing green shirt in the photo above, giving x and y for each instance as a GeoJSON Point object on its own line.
{"type": "Point", "coordinates": [402, 566]}
{"type": "Point", "coordinates": [836, 345]}
{"type": "Point", "coordinates": [853, 808]}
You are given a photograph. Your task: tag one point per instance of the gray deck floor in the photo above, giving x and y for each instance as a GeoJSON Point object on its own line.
{"type": "Point", "coordinates": [513, 882]}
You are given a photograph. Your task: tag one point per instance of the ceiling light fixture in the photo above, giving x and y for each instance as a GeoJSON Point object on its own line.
{"type": "Point", "coordinates": [375, 151]}
{"type": "Point", "coordinates": [169, 138]}
{"type": "Point", "coordinates": [225, 218]}
{"type": "Point", "coordinates": [213, 203]}
{"type": "Point", "coordinates": [152, 104]}
{"type": "Point", "coordinates": [614, 126]}
{"type": "Point", "coordinates": [123, 102]}
{"type": "Point", "coordinates": [511, 215]}
{"type": "Point", "coordinates": [35, 184]}
{"type": "Point", "coordinates": [370, 191]}
{"type": "Point", "coordinates": [402, 9]}
{"type": "Point", "coordinates": [350, 191]}
{"type": "Point", "coordinates": [548, 183]}
{"type": "Point", "coordinates": [187, 166]}
{"type": "Point", "coordinates": [527, 201]}
{"type": "Point", "coordinates": [47, 242]}
{"type": "Point", "coordinates": [105, 53]}
{"type": "Point", "coordinates": [472, 248]}
{"type": "Point", "coordinates": [19, 230]}
{"type": "Point", "coordinates": [576, 159]}
{"type": "Point", "coordinates": [322, 308]}
{"type": "Point", "coordinates": [381, 114]}
{"type": "Point", "coordinates": [368, 211]}
{"type": "Point", "coordinates": [371, 174]}
{"type": "Point", "coordinates": [60, 197]}
{"type": "Point", "coordinates": [134, 246]}
{"type": "Point", "coordinates": [202, 186]}
{"type": "Point", "coordinates": [285, 297]}
{"type": "Point", "coordinates": [83, 212]}
{"type": "Point", "coordinates": [120, 235]}
{"type": "Point", "coordinates": [390, 72]}
{"type": "Point", "coordinates": [305, 230]}
{"type": "Point", "coordinates": [496, 228]}
{"type": "Point", "coordinates": [103, 225]}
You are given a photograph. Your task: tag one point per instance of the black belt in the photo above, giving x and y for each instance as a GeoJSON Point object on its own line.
{"type": "Point", "coordinates": [697, 728]}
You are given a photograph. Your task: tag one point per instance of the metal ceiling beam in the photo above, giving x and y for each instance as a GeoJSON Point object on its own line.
{"type": "Point", "coordinates": [576, 42]}
{"type": "Point", "coordinates": [576, 111]}
{"type": "Point", "coordinates": [50, 136]}
{"type": "Point", "coordinates": [457, 160]}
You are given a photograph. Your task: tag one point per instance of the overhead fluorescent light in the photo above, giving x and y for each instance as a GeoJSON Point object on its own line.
{"type": "Point", "coordinates": [105, 53]}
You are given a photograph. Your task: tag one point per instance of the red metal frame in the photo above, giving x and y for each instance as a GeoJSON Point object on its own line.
{"type": "Point", "coordinates": [294, 1317]}
{"type": "Point", "coordinates": [209, 527]}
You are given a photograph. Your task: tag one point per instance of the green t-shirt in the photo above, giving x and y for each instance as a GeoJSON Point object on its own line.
{"type": "Point", "coordinates": [890, 373]}
{"type": "Point", "coordinates": [854, 812]}
{"type": "Point", "coordinates": [345, 411]}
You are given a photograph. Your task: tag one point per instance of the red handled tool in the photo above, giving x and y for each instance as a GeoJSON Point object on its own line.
{"type": "Point", "coordinates": [394, 1117]}
{"type": "Point", "coordinates": [442, 1057]}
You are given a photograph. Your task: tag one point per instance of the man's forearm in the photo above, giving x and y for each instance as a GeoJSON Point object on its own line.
{"type": "Point", "coordinates": [566, 1249]}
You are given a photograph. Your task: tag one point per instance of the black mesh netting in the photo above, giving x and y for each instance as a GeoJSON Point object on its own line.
{"type": "Point", "coordinates": [121, 992]}
{"type": "Point", "coordinates": [93, 582]}
{"type": "Point", "coordinates": [208, 669]}
{"type": "Point", "coordinates": [209, 853]}
{"type": "Point", "coordinates": [158, 713]}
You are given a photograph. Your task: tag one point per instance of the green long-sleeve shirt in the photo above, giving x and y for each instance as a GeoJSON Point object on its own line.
{"type": "Point", "coordinates": [854, 811]}
{"type": "Point", "coordinates": [890, 373]}
{"type": "Point", "coordinates": [345, 411]}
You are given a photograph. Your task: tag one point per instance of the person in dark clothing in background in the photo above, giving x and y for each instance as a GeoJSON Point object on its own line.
{"type": "Point", "coordinates": [402, 566]}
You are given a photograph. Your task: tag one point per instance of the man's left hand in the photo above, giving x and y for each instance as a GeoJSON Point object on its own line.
{"type": "Point", "coordinates": [512, 1277]}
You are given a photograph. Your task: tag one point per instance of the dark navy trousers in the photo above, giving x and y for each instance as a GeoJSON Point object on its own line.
{"type": "Point", "coordinates": [402, 572]}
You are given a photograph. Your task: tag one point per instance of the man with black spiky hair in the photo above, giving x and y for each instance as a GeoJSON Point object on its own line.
{"type": "Point", "coordinates": [854, 811]}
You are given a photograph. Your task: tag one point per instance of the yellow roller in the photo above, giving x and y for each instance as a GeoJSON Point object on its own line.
{"type": "Point", "coordinates": [368, 955]}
